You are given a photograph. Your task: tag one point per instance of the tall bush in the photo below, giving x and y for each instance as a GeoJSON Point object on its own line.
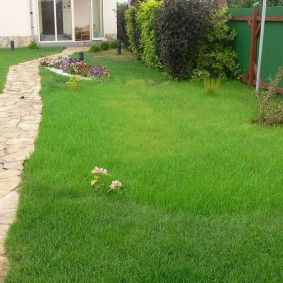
{"type": "Point", "coordinates": [133, 31]}
{"type": "Point", "coordinates": [121, 24]}
{"type": "Point", "coordinates": [145, 19]}
{"type": "Point", "coordinates": [217, 59]}
{"type": "Point", "coordinates": [180, 29]}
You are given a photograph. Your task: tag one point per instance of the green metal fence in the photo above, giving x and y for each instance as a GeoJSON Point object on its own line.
{"type": "Point", "coordinates": [273, 41]}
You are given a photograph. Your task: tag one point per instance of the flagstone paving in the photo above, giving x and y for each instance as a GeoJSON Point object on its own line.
{"type": "Point", "coordinates": [20, 115]}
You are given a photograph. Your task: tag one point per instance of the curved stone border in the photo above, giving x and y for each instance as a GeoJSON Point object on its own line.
{"type": "Point", "coordinates": [20, 108]}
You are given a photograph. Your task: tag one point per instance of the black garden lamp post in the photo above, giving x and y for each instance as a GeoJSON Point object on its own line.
{"type": "Point", "coordinates": [12, 45]}
{"type": "Point", "coordinates": [81, 56]}
{"type": "Point", "coordinates": [119, 47]}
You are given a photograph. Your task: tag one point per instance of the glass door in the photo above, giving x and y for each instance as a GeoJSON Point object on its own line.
{"type": "Point", "coordinates": [46, 20]}
{"type": "Point", "coordinates": [64, 20]}
{"type": "Point", "coordinates": [55, 20]}
{"type": "Point", "coordinates": [82, 19]}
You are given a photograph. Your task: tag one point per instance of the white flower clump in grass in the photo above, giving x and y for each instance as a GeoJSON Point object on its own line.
{"type": "Point", "coordinates": [115, 186]}
{"type": "Point", "coordinates": [101, 178]}
{"type": "Point", "coordinates": [99, 171]}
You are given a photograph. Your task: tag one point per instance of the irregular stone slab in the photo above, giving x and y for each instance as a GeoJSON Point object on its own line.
{"type": "Point", "coordinates": [19, 147]}
{"type": "Point", "coordinates": [17, 165]}
{"type": "Point", "coordinates": [11, 134]}
{"type": "Point", "coordinates": [27, 126]}
{"type": "Point", "coordinates": [28, 134]}
{"type": "Point", "coordinates": [7, 211]}
{"type": "Point", "coordinates": [3, 231]}
{"type": "Point", "coordinates": [18, 156]}
{"type": "Point", "coordinates": [9, 173]}
{"type": "Point", "coordinates": [3, 266]}
{"type": "Point", "coordinates": [7, 216]}
{"type": "Point", "coordinates": [22, 140]}
{"type": "Point", "coordinates": [8, 184]}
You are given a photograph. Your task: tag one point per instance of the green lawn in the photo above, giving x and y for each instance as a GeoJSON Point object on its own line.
{"type": "Point", "coordinates": [204, 185]}
{"type": "Point", "coordinates": [8, 58]}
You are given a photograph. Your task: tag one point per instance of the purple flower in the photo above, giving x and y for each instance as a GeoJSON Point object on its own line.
{"type": "Point", "coordinates": [75, 66]}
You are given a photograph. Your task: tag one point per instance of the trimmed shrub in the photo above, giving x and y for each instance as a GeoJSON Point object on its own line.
{"type": "Point", "coordinates": [180, 27]}
{"type": "Point", "coordinates": [113, 45]}
{"type": "Point", "coordinates": [121, 24]}
{"type": "Point", "coordinates": [33, 45]}
{"type": "Point", "coordinates": [270, 107]}
{"type": "Point", "coordinates": [145, 19]}
{"type": "Point", "coordinates": [105, 45]}
{"type": "Point", "coordinates": [133, 31]}
{"type": "Point", "coordinates": [217, 59]}
{"type": "Point", "coordinates": [95, 48]}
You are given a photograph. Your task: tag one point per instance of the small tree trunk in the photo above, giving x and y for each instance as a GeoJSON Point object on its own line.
{"type": "Point", "coordinates": [221, 3]}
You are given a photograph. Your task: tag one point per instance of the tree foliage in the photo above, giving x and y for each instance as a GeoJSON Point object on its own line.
{"type": "Point", "coordinates": [180, 28]}
{"type": "Point", "coordinates": [121, 24]}
{"type": "Point", "coordinates": [217, 59]}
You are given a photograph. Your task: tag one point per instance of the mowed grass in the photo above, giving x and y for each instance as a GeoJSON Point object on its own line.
{"type": "Point", "coordinates": [204, 184]}
{"type": "Point", "coordinates": [8, 58]}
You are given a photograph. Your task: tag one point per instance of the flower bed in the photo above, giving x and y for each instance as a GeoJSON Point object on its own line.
{"type": "Point", "coordinates": [74, 66]}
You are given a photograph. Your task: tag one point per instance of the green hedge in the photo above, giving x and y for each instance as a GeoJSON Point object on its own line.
{"type": "Point", "coordinates": [146, 19]}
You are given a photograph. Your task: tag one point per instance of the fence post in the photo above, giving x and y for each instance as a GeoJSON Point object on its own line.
{"type": "Point", "coordinates": [254, 31]}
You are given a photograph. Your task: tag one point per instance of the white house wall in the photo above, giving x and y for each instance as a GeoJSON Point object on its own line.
{"type": "Point", "coordinates": [110, 19]}
{"type": "Point", "coordinates": [15, 23]}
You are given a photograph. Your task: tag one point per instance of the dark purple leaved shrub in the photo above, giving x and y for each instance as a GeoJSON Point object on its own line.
{"type": "Point", "coordinates": [180, 27]}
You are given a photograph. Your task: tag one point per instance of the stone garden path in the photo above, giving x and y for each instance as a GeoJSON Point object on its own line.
{"type": "Point", "coordinates": [20, 108]}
